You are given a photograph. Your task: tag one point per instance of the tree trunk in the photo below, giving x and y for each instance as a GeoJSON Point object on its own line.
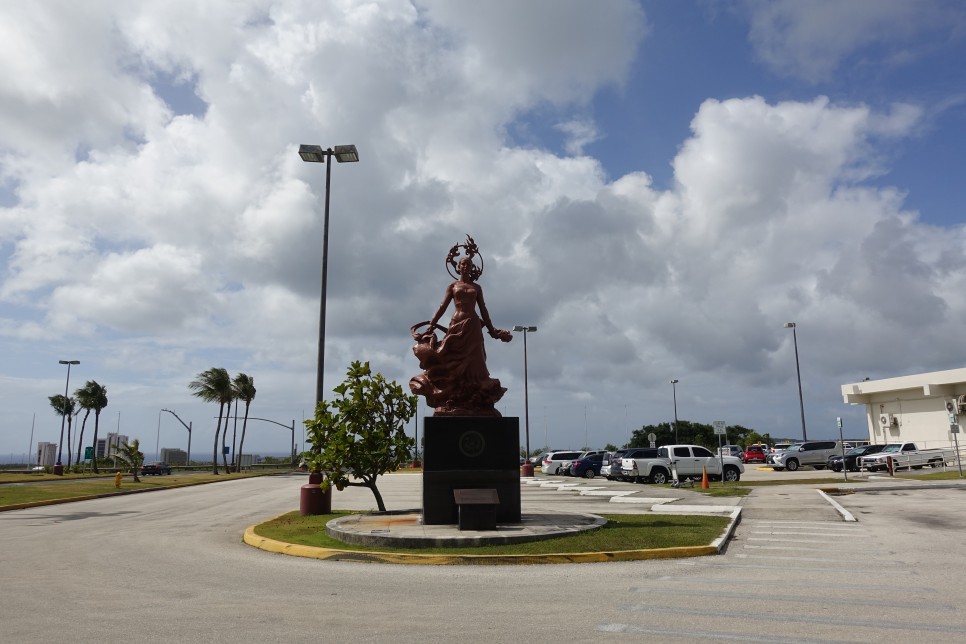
{"type": "Point", "coordinates": [70, 445]}
{"type": "Point", "coordinates": [235, 463]}
{"type": "Point", "coordinates": [375, 492]}
{"type": "Point", "coordinates": [241, 445]}
{"type": "Point", "coordinates": [97, 420]}
{"type": "Point", "coordinates": [80, 438]}
{"type": "Point", "coordinates": [214, 458]}
{"type": "Point", "coordinates": [224, 440]}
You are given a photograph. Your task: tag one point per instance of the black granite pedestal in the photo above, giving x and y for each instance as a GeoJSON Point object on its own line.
{"type": "Point", "coordinates": [470, 452]}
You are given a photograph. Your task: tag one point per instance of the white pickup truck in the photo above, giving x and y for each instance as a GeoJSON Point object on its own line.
{"type": "Point", "coordinates": [906, 455]}
{"type": "Point", "coordinates": [690, 461]}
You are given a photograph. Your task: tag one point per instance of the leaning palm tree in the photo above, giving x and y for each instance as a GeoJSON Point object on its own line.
{"type": "Point", "coordinates": [63, 407]}
{"type": "Point", "coordinates": [224, 433]}
{"type": "Point", "coordinates": [92, 396]}
{"type": "Point", "coordinates": [132, 456]}
{"type": "Point", "coordinates": [244, 386]}
{"type": "Point", "coordinates": [214, 385]}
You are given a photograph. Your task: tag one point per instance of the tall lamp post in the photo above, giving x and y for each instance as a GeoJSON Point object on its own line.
{"type": "Point", "coordinates": [798, 373]}
{"type": "Point", "coordinates": [315, 154]}
{"type": "Point", "coordinates": [674, 393]}
{"type": "Point", "coordinates": [59, 467]}
{"type": "Point", "coordinates": [188, 427]}
{"type": "Point", "coordinates": [527, 466]}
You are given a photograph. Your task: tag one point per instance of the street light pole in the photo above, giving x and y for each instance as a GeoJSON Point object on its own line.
{"type": "Point", "coordinates": [188, 427]}
{"type": "Point", "coordinates": [59, 467]}
{"type": "Point", "coordinates": [674, 393]}
{"type": "Point", "coordinates": [798, 374]}
{"type": "Point", "coordinates": [526, 388]}
{"type": "Point", "coordinates": [315, 154]}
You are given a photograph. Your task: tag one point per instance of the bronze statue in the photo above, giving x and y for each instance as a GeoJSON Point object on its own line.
{"type": "Point", "coordinates": [455, 379]}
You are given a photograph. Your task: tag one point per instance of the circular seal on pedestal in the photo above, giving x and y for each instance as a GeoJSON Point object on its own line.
{"type": "Point", "coordinates": [472, 444]}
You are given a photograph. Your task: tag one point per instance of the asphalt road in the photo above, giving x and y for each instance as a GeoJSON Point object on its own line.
{"type": "Point", "coordinates": [170, 566]}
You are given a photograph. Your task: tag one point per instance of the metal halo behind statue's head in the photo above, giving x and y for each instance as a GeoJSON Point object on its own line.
{"type": "Point", "coordinates": [470, 250]}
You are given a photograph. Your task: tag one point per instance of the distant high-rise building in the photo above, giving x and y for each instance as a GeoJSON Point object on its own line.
{"type": "Point", "coordinates": [174, 456]}
{"type": "Point", "coordinates": [46, 454]}
{"type": "Point", "coordinates": [105, 446]}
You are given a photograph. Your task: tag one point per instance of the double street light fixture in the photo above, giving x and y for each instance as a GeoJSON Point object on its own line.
{"type": "Point", "coordinates": [526, 392]}
{"type": "Point", "coordinates": [59, 467]}
{"type": "Point", "coordinates": [674, 393]}
{"type": "Point", "coordinates": [315, 154]}
{"type": "Point", "coordinates": [798, 373]}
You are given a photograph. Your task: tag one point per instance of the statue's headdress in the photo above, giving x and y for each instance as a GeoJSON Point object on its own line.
{"type": "Point", "coordinates": [469, 250]}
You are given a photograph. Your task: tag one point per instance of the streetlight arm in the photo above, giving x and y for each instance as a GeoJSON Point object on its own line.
{"type": "Point", "coordinates": [179, 419]}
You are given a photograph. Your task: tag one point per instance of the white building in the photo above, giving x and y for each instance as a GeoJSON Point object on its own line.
{"type": "Point", "coordinates": [46, 454]}
{"type": "Point", "coordinates": [911, 408]}
{"type": "Point", "coordinates": [105, 446]}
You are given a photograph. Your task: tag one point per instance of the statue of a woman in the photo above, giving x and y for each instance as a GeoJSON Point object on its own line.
{"type": "Point", "coordinates": [455, 379]}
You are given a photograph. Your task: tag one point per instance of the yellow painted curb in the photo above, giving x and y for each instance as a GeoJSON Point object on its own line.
{"type": "Point", "coordinates": [333, 554]}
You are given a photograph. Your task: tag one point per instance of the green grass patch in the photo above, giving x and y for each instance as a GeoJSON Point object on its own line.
{"type": "Point", "coordinates": [77, 486]}
{"type": "Point", "coordinates": [949, 475]}
{"type": "Point", "coordinates": [622, 532]}
{"type": "Point", "coordinates": [726, 491]}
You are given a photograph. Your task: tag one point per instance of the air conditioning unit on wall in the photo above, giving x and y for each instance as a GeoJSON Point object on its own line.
{"type": "Point", "coordinates": [888, 420]}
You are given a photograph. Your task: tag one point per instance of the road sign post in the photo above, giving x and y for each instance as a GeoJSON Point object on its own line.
{"type": "Point", "coordinates": [719, 430]}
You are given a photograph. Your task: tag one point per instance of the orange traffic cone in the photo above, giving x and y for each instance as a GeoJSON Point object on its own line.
{"type": "Point", "coordinates": [704, 478]}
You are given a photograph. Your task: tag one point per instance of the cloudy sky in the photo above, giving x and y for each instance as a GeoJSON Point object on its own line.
{"type": "Point", "coordinates": [657, 186]}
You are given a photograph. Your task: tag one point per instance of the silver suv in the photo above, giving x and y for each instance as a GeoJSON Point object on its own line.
{"type": "Point", "coordinates": [814, 453]}
{"type": "Point", "coordinates": [555, 462]}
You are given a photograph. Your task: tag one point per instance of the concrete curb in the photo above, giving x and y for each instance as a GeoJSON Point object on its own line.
{"type": "Point", "coordinates": [332, 554]}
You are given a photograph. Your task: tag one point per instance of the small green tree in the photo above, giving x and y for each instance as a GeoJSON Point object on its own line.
{"type": "Point", "coordinates": [361, 434]}
{"type": "Point", "coordinates": [132, 456]}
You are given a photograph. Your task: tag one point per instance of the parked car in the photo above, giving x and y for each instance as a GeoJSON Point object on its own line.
{"type": "Point", "coordinates": [629, 459]}
{"type": "Point", "coordinates": [906, 455]}
{"type": "Point", "coordinates": [588, 466]}
{"type": "Point", "coordinates": [156, 469]}
{"type": "Point", "coordinates": [814, 453]}
{"type": "Point", "coordinates": [852, 457]}
{"type": "Point", "coordinates": [754, 453]}
{"type": "Point", "coordinates": [554, 462]}
{"type": "Point", "coordinates": [777, 449]}
{"type": "Point", "coordinates": [610, 467]}
{"type": "Point", "coordinates": [538, 460]}
{"type": "Point", "coordinates": [732, 450]}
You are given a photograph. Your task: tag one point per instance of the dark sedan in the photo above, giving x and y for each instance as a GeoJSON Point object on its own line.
{"type": "Point", "coordinates": [588, 466]}
{"type": "Point", "coordinates": [852, 457]}
{"type": "Point", "coordinates": [157, 469]}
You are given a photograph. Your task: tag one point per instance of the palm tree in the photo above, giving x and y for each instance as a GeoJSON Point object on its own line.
{"type": "Point", "coordinates": [224, 433]}
{"type": "Point", "coordinates": [63, 407]}
{"type": "Point", "coordinates": [214, 385]}
{"type": "Point", "coordinates": [244, 386]}
{"type": "Point", "coordinates": [92, 396]}
{"type": "Point", "coordinates": [132, 456]}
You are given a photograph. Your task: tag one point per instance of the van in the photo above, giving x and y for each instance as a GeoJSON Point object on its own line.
{"type": "Point", "coordinates": [814, 453]}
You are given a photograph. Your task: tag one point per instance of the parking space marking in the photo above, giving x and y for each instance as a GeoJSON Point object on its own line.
{"type": "Point", "coordinates": [851, 622]}
{"type": "Point", "coordinates": [819, 599]}
{"type": "Point", "coordinates": [783, 583]}
{"type": "Point", "coordinates": [707, 635]}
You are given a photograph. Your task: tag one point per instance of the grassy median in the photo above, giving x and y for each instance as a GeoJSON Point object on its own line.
{"type": "Point", "coordinates": [39, 490]}
{"type": "Point", "coordinates": [622, 532]}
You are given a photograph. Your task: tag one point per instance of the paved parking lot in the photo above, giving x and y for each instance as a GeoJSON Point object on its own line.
{"type": "Point", "coordinates": [172, 564]}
